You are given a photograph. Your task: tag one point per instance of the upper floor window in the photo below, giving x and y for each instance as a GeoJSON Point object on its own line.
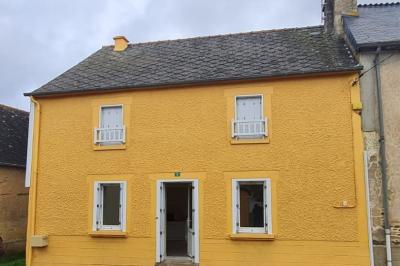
{"type": "Point", "coordinates": [249, 119]}
{"type": "Point", "coordinates": [111, 128]}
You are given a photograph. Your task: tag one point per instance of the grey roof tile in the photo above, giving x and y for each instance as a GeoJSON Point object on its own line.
{"type": "Point", "coordinates": [249, 55]}
{"type": "Point", "coordinates": [13, 136]}
{"type": "Point", "coordinates": [376, 24]}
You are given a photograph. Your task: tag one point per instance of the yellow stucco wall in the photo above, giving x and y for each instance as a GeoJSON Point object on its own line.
{"type": "Point", "coordinates": [314, 156]}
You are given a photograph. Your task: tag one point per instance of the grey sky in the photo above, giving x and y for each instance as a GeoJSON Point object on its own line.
{"type": "Point", "coordinates": [41, 39]}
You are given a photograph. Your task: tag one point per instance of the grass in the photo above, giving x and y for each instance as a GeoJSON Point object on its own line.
{"type": "Point", "coordinates": [13, 260]}
{"type": "Point", "coordinates": [17, 262]}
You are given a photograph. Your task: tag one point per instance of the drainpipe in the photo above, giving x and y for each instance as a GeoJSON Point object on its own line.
{"type": "Point", "coordinates": [33, 179]}
{"type": "Point", "coordinates": [28, 168]}
{"type": "Point", "coordinates": [383, 162]}
{"type": "Point", "coordinates": [367, 198]}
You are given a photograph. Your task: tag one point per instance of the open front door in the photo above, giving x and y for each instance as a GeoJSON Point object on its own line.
{"type": "Point", "coordinates": [189, 222]}
{"type": "Point", "coordinates": [181, 238]}
{"type": "Point", "coordinates": [161, 222]}
{"type": "Point", "coordinates": [193, 229]}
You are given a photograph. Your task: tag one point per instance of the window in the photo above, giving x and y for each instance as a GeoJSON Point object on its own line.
{"type": "Point", "coordinates": [111, 128]}
{"type": "Point", "coordinates": [251, 199]}
{"type": "Point", "coordinates": [249, 119]}
{"type": "Point", "coordinates": [109, 206]}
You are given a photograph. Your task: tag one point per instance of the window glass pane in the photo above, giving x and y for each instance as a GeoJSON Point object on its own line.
{"type": "Point", "coordinates": [251, 204]}
{"type": "Point", "coordinates": [248, 108]}
{"type": "Point", "coordinates": [111, 117]}
{"type": "Point", "coordinates": [111, 201]}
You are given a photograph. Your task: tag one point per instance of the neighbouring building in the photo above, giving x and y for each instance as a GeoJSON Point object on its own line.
{"type": "Point", "coordinates": [373, 33]}
{"type": "Point", "coordinates": [238, 149]}
{"type": "Point", "coordinates": [13, 194]}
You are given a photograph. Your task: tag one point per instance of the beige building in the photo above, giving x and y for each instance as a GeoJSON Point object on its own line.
{"type": "Point", "coordinates": [373, 33]}
{"type": "Point", "coordinates": [13, 194]}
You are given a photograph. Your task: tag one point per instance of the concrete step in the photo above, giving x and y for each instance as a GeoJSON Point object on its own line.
{"type": "Point", "coordinates": [177, 262]}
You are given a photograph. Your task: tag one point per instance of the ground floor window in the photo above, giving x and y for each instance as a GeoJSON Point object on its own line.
{"type": "Point", "coordinates": [251, 200]}
{"type": "Point", "coordinates": [109, 205]}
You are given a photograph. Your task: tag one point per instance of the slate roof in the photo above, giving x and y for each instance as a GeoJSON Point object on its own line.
{"type": "Point", "coordinates": [13, 136]}
{"type": "Point", "coordinates": [376, 25]}
{"type": "Point", "coordinates": [228, 57]}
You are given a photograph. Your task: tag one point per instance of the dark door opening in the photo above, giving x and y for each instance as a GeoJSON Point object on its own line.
{"type": "Point", "coordinates": [179, 220]}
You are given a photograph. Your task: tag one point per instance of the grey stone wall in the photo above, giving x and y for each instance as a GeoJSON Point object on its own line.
{"type": "Point", "coordinates": [391, 112]}
{"type": "Point", "coordinates": [343, 7]}
{"type": "Point", "coordinates": [390, 79]}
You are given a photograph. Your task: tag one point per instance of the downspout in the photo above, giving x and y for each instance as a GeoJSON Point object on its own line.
{"type": "Point", "coordinates": [28, 167]}
{"type": "Point", "coordinates": [383, 162]}
{"type": "Point", "coordinates": [32, 178]}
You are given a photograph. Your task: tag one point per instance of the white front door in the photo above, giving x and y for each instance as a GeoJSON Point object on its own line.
{"type": "Point", "coordinates": [192, 221]}
{"type": "Point", "coordinates": [161, 222]}
{"type": "Point", "coordinates": [195, 222]}
{"type": "Point", "coordinates": [189, 222]}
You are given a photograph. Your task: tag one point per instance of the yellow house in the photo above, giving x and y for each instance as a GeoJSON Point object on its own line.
{"type": "Point", "coordinates": [240, 149]}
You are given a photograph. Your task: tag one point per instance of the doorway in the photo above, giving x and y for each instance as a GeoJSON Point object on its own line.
{"type": "Point", "coordinates": [177, 220]}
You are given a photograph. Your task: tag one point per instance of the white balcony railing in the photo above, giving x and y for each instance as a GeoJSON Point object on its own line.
{"type": "Point", "coordinates": [249, 128]}
{"type": "Point", "coordinates": [109, 135]}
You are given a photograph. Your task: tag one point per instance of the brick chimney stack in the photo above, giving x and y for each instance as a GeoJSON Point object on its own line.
{"type": "Point", "coordinates": [334, 10]}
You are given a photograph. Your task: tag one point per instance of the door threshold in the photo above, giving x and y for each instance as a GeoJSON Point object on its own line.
{"type": "Point", "coordinates": [177, 261]}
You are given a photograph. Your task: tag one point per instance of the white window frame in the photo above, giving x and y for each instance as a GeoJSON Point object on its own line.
{"type": "Point", "coordinates": [263, 119]}
{"type": "Point", "coordinates": [97, 207]}
{"type": "Point", "coordinates": [236, 228]}
{"type": "Point", "coordinates": [123, 128]}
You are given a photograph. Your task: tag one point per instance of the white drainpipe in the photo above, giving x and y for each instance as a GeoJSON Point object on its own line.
{"type": "Point", "coordinates": [28, 169]}
{"type": "Point", "coordinates": [371, 247]}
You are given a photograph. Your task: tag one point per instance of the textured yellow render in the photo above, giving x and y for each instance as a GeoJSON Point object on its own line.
{"type": "Point", "coordinates": [313, 157]}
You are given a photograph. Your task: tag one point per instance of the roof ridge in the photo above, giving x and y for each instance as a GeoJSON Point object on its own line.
{"type": "Point", "coordinates": [13, 108]}
{"type": "Point", "coordinates": [380, 4]}
{"type": "Point", "coordinates": [222, 35]}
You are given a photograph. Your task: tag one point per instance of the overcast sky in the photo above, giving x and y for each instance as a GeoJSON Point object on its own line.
{"type": "Point", "coordinates": [40, 39]}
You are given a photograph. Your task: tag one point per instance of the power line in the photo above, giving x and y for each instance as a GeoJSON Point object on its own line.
{"type": "Point", "coordinates": [380, 62]}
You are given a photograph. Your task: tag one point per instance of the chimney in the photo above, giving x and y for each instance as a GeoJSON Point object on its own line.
{"type": "Point", "coordinates": [120, 43]}
{"type": "Point", "coordinates": [334, 10]}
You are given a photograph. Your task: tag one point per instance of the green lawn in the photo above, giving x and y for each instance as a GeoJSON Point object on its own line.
{"type": "Point", "coordinates": [13, 260]}
{"type": "Point", "coordinates": [17, 262]}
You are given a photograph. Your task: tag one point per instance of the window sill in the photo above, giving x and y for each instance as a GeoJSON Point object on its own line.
{"type": "Point", "coordinates": [109, 147]}
{"type": "Point", "coordinates": [250, 141]}
{"type": "Point", "coordinates": [252, 237]}
{"type": "Point", "coordinates": [344, 207]}
{"type": "Point", "coordinates": [108, 234]}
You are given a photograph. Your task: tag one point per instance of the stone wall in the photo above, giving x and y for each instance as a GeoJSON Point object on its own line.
{"type": "Point", "coordinates": [391, 112]}
{"type": "Point", "coordinates": [13, 208]}
{"type": "Point", "coordinates": [390, 85]}
{"type": "Point", "coordinates": [343, 7]}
